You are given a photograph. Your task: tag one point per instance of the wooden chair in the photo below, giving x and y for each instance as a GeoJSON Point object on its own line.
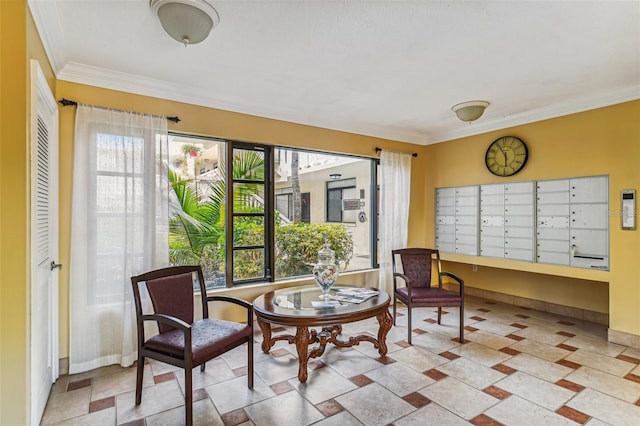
{"type": "Point", "coordinates": [182, 341]}
{"type": "Point", "coordinates": [417, 270]}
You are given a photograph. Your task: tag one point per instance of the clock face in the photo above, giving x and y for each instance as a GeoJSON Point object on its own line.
{"type": "Point", "coordinates": [506, 156]}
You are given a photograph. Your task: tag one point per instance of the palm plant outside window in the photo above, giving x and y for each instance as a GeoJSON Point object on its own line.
{"type": "Point", "coordinates": [279, 217]}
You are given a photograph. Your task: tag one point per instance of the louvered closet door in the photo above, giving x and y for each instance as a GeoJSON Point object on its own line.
{"type": "Point", "coordinates": [44, 243]}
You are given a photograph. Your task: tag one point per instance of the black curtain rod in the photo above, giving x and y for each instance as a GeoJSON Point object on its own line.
{"type": "Point", "coordinates": [415, 154]}
{"type": "Point", "coordinates": [67, 102]}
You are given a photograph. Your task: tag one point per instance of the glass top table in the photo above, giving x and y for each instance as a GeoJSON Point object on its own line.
{"type": "Point", "coordinates": [294, 306]}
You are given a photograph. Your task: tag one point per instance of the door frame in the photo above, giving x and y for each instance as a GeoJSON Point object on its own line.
{"type": "Point", "coordinates": [42, 100]}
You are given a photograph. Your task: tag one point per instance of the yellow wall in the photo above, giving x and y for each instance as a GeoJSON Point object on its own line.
{"type": "Point", "coordinates": [604, 141]}
{"type": "Point", "coordinates": [19, 43]}
{"type": "Point", "coordinates": [13, 212]}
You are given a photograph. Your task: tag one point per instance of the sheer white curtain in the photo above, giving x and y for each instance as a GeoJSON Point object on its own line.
{"type": "Point", "coordinates": [119, 228]}
{"type": "Point", "coordinates": [395, 189]}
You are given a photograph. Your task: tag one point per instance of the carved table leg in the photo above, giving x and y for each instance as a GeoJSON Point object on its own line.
{"type": "Point", "coordinates": [385, 320]}
{"type": "Point", "coordinates": [266, 335]}
{"type": "Point", "coordinates": [302, 345]}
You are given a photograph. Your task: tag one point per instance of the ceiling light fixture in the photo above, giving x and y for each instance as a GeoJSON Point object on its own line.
{"type": "Point", "coordinates": [187, 21]}
{"type": "Point", "coordinates": [470, 111]}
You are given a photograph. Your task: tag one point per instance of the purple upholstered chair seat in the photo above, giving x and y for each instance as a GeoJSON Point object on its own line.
{"type": "Point", "coordinates": [430, 295]}
{"type": "Point", "coordinates": [209, 337]}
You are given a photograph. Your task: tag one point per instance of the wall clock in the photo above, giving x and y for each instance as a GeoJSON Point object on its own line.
{"type": "Point", "coordinates": [506, 156]}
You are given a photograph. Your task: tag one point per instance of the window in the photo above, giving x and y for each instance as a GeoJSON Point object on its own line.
{"type": "Point", "coordinates": [342, 201]}
{"type": "Point", "coordinates": [250, 214]}
{"type": "Point", "coordinates": [286, 204]}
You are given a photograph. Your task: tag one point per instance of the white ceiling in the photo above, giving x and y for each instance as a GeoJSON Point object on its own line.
{"type": "Point", "coordinates": [391, 69]}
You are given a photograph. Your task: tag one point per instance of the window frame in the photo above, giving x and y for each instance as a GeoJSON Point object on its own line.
{"type": "Point", "coordinates": [268, 242]}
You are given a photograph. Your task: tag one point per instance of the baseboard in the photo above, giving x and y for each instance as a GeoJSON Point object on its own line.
{"type": "Point", "coordinates": [623, 338]}
{"type": "Point", "coordinates": [567, 311]}
{"type": "Point", "coordinates": [64, 366]}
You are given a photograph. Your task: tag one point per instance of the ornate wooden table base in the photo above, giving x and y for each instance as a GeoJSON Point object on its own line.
{"type": "Point", "coordinates": [329, 334]}
{"type": "Point", "coordinates": [294, 307]}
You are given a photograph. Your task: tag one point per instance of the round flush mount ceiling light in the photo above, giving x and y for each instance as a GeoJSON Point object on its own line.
{"type": "Point", "coordinates": [187, 21]}
{"type": "Point", "coordinates": [470, 111]}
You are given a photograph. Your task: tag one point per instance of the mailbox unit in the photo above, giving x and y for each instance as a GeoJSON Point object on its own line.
{"type": "Point", "coordinates": [507, 221]}
{"type": "Point", "coordinates": [560, 221]}
{"type": "Point", "coordinates": [457, 220]}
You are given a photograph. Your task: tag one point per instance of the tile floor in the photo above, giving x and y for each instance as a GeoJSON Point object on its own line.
{"type": "Point", "coordinates": [518, 367]}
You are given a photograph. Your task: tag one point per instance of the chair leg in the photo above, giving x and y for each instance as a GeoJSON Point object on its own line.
{"type": "Point", "coordinates": [462, 322]}
{"type": "Point", "coordinates": [188, 395]}
{"type": "Point", "coordinates": [409, 323]}
{"type": "Point", "coordinates": [250, 363]}
{"type": "Point", "coordinates": [139, 377]}
{"type": "Point", "coordinates": [202, 366]}
{"type": "Point", "coordinates": [439, 314]}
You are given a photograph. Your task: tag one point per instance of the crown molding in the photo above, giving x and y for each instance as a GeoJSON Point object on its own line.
{"type": "Point", "coordinates": [552, 111]}
{"type": "Point", "coordinates": [131, 83]}
{"type": "Point", "coordinates": [50, 34]}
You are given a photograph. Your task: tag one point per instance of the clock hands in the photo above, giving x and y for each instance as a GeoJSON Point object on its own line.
{"type": "Point", "coordinates": [504, 154]}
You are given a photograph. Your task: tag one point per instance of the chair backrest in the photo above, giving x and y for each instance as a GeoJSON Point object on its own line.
{"type": "Point", "coordinates": [171, 292]}
{"type": "Point", "coordinates": [417, 265]}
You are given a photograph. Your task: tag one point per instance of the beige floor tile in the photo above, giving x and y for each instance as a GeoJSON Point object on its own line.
{"type": "Point", "coordinates": [595, 344]}
{"type": "Point", "coordinates": [155, 399]}
{"type": "Point", "coordinates": [595, 422]}
{"type": "Point", "coordinates": [344, 418]}
{"type": "Point", "coordinates": [216, 371]}
{"type": "Point", "coordinates": [601, 362]}
{"type": "Point", "coordinates": [481, 354]}
{"type": "Point", "coordinates": [282, 408]}
{"type": "Point", "coordinates": [237, 357]}
{"type": "Point", "coordinates": [459, 398]}
{"type": "Point", "coordinates": [499, 315]}
{"type": "Point", "coordinates": [489, 339]}
{"type": "Point", "coordinates": [323, 384]}
{"type": "Point", "coordinates": [62, 406]}
{"type": "Point", "coordinates": [495, 327]}
{"type": "Point", "coordinates": [606, 408]}
{"type": "Point", "coordinates": [349, 363]}
{"type": "Point", "coordinates": [399, 378]}
{"type": "Point", "coordinates": [233, 394]}
{"type": "Point", "coordinates": [158, 367]}
{"type": "Point", "coordinates": [102, 417]}
{"type": "Point", "coordinates": [541, 350]}
{"type": "Point", "coordinates": [277, 369]}
{"type": "Point", "coordinates": [60, 385]}
{"type": "Point", "coordinates": [606, 383]}
{"type": "Point", "coordinates": [204, 414]}
{"type": "Point", "coordinates": [374, 405]}
{"type": "Point", "coordinates": [121, 381]}
{"type": "Point", "coordinates": [544, 335]}
{"type": "Point", "coordinates": [418, 358]}
{"type": "Point", "coordinates": [472, 373]}
{"type": "Point", "coordinates": [538, 391]}
{"type": "Point", "coordinates": [434, 342]}
{"type": "Point", "coordinates": [520, 412]}
{"type": "Point", "coordinates": [538, 367]}
{"type": "Point", "coordinates": [632, 352]}
{"type": "Point", "coordinates": [435, 414]}
{"type": "Point", "coordinates": [449, 326]}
